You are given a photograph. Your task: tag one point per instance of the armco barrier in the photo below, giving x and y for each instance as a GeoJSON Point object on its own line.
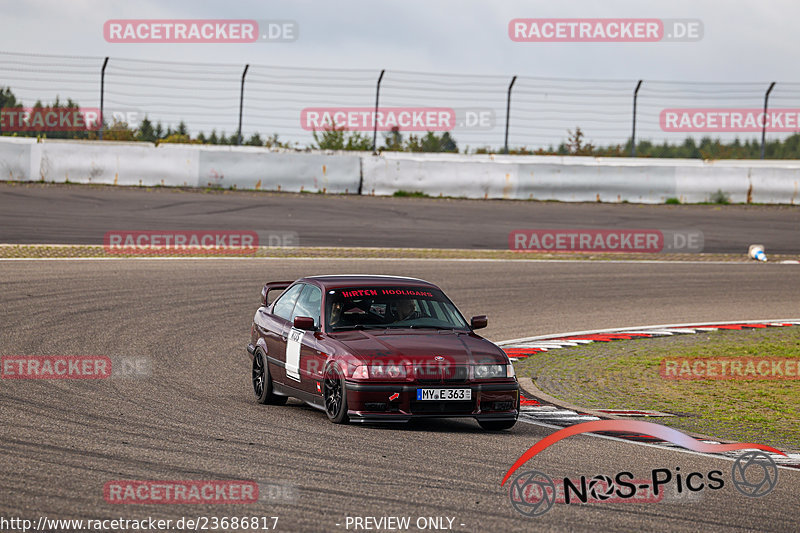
{"type": "Point", "coordinates": [256, 168]}
{"type": "Point", "coordinates": [568, 179]}
{"type": "Point", "coordinates": [439, 175]}
{"type": "Point", "coordinates": [15, 159]}
{"type": "Point", "coordinates": [116, 164]}
{"type": "Point", "coordinates": [582, 179]}
{"type": "Point", "coordinates": [176, 165]}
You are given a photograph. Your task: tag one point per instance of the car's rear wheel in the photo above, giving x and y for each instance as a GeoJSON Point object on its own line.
{"type": "Point", "coordinates": [335, 395]}
{"type": "Point", "coordinates": [262, 381]}
{"type": "Point", "coordinates": [496, 425]}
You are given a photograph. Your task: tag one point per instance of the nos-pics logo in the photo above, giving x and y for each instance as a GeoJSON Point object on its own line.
{"type": "Point", "coordinates": [533, 493]}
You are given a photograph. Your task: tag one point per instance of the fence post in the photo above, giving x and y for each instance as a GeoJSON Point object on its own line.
{"type": "Point", "coordinates": [764, 123]}
{"type": "Point", "coordinates": [375, 116]}
{"type": "Point", "coordinates": [633, 133]}
{"type": "Point", "coordinates": [508, 112]}
{"type": "Point", "coordinates": [241, 105]}
{"type": "Point", "coordinates": [102, 96]}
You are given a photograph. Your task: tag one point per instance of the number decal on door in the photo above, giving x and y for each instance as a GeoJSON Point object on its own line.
{"type": "Point", "coordinates": [293, 344]}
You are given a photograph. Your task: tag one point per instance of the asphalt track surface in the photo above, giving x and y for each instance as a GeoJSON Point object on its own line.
{"type": "Point", "coordinates": [194, 417]}
{"type": "Point", "coordinates": [64, 214]}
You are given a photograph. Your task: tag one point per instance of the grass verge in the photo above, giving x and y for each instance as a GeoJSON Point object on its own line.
{"type": "Point", "coordinates": [625, 375]}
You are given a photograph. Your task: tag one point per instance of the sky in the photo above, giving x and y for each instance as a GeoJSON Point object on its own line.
{"type": "Point", "coordinates": [745, 42]}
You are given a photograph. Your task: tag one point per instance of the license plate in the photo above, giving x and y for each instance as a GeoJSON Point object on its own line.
{"type": "Point", "coordinates": [444, 394]}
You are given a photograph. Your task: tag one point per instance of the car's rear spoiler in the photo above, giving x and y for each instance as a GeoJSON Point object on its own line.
{"type": "Point", "coordinates": [273, 286]}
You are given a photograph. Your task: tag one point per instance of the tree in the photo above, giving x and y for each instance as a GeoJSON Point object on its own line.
{"type": "Point", "coordinates": [431, 142]}
{"type": "Point", "coordinates": [447, 143]}
{"type": "Point", "coordinates": [146, 132]}
{"type": "Point", "coordinates": [254, 140]}
{"type": "Point", "coordinates": [7, 98]}
{"type": "Point", "coordinates": [119, 131]}
{"type": "Point", "coordinates": [331, 138]}
{"type": "Point", "coordinates": [575, 144]}
{"type": "Point", "coordinates": [338, 138]}
{"type": "Point", "coordinates": [393, 141]}
{"type": "Point", "coordinates": [358, 141]}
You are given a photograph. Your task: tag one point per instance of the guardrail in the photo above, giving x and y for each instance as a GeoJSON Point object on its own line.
{"type": "Point", "coordinates": [568, 179]}
{"type": "Point", "coordinates": [177, 165]}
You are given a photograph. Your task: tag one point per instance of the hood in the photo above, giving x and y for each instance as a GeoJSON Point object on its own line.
{"type": "Point", "coordinates": [420, 346]}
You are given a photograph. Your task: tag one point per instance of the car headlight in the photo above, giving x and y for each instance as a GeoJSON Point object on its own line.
{"type": "Point", "coordinates": [396, 371]}
{"type": "Point", "coordinates": [380, 371]}
{"type": "Point", "coordinates": [492, 371]}
{"type": "Point", "coordinates": [360, 372]}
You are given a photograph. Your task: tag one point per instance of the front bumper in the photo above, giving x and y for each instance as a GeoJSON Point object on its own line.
{"type": "Point", "coordinates": [372, 402]}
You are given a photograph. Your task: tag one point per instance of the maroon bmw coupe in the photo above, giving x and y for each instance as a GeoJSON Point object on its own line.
{"type": "Point", "coordinates": [378, 349]}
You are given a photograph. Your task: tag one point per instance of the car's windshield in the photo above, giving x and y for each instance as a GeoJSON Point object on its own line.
{"type": "Point", "coordinates": [390, 307]}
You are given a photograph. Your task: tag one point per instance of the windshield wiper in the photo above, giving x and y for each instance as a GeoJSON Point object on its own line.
{"type": "Point", "coordinates": [358, 326]}
{"type": "Point", "coordinates": [394, 326]}
{"type": "Point", "coordinates": [419, 326]}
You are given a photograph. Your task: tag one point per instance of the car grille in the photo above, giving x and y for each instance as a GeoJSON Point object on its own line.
{"type": "Point", "coordinates": [459, 407]}
{"type": "Point", "coordinates": [435, 374]}
{"type": "Point", "coordinates": [381, 407]}
{"type": "Point", "coordinates": [497, 406]}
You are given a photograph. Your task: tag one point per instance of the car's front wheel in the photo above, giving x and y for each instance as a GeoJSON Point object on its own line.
{"type": "Point", "coordinates": [496, 425]}
{"type": "Point", "coordinates": [262, 381]}
{"type": "Point", "coordinates": [335, 395]}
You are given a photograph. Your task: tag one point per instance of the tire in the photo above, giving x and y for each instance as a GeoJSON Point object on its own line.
{"type": "Point", "coordinates": [496, 425]}
{"type": "Point", "coordinates": [262, 382]}
{"type": "Point", "coordinates": [334, 394]}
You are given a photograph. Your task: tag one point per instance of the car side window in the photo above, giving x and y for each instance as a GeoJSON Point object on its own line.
{"type": "Point", "coordinates": [309, 304]}
{"type": "Point", "coordinates": [285, 303]}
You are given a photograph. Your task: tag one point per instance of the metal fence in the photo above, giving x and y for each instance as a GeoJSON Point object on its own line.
{"type": "Point", "coordinates": [533, 112]}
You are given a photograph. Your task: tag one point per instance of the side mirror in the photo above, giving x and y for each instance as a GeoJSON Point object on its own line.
{"type": "Point", "coordinates": [304, 322]}
{"type": "Point", "coordinates": [478, 322]}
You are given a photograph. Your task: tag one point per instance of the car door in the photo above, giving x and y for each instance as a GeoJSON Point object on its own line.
{"type": "Point", "coordinates": [276, 338]}
{"type": "Point", "coordinates": [301, 345]}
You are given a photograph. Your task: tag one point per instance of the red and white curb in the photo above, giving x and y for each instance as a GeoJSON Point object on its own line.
{"type": "Point", "coordinates": [537, 411]}
{"type": "Point", "coordinates": [521, 348]}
